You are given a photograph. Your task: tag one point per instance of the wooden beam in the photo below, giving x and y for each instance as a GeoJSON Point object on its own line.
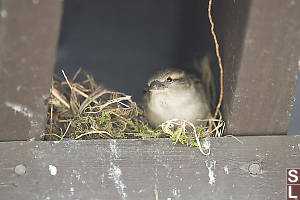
{"type": "Point", "coordinates": [260, 43]}
{"type": "Point", "coordinates": [144, 169]}
{"type": "Point", "coordinates": [29, 32]}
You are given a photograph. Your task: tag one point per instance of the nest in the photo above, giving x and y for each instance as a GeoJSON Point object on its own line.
{"type": "Point", "coordinates": [83, 110]}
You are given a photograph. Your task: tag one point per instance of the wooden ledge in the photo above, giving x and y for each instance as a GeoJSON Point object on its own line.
{"type": "Point", "coordinates": [142, 169]}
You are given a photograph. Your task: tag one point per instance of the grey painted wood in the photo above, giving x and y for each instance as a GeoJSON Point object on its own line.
{"type": "Point", "coordinates": [28, 35]}
{"type": "Point", "coordinates": [132, 169]}
{"type": "Point", "coordinates": [260, 42]}
{"type": "Point", "coordinates": [294, 125]}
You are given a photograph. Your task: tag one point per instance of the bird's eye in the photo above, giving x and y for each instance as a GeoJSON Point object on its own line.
{"type": "Point", "coordinates": [169, 79]}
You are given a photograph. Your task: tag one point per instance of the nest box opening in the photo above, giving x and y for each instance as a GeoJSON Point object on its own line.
{"type": "Point", "coordinates": [122, 43]}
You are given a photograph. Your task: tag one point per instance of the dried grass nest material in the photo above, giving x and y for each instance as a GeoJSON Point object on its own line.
{"type": "Point", "coordinates": [85, 110]}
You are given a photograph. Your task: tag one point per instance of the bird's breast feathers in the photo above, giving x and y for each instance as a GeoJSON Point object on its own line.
{"type": "Point", "coordinates": [181, 104]}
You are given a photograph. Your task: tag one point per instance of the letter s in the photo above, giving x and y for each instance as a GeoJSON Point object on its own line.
{"type": "Point", "coordinates": [293, 176]}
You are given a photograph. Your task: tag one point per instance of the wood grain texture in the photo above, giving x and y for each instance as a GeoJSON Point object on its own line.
{"type": "Point", "coordinates": [132, 169]}
{"type": "Point", "coordinates": [28, 35]}
{"type": "Point", "coordinates": [260, 42]}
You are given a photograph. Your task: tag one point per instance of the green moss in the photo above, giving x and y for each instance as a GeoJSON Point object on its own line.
{"type": "Point", "coordinates": [188, 137]}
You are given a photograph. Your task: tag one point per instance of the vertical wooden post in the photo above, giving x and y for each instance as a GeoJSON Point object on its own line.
{"type": "Point", "coordinates": [260, 45]}
{"type": "Point", "coordinates": [29, 32]}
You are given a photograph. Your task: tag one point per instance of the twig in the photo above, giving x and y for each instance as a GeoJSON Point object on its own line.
{"type": "Point", "coordinates": [52, 134]}
{"type": "Point", "coordinates": [92, 98]}
{"type": "Point", "coordinates": [218, 56]}
{"type": "Point", "coordinates": [62, 137]}
{"type": "Point", "coordinates": [51, 108]}
{"type": "Point", "coordinates": [155, 192]}
{"type": "Point", "coordinates": [56, 94]}
{"type": "Point", "coordinates": [182, 128]}
{"type": "Point", "coordinates": [198, 141]}
{"type": "Point", "coordinates": [66, 78]}
{"type": "Point", "coordinates": [91, 132]}
{"type": "Point", "coordinates": [74, 88]}
{"type": "Point", "coordinates": [76, 74]}
{"type": "Point", "coordinates": [240, 141]}
{"type": "Point", "coordinates": [101, 107]}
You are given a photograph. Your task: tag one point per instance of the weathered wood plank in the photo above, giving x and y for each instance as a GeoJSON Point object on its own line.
{"type": "Point", "coordinates": [29, 32]}
{"type": "Point", "coordinates": [260, 50]}
{"type": "Point", "coordinates": [132, 169]}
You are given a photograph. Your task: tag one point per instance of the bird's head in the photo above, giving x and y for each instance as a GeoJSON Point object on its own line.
{"type": "Point", "coordinates": [166, 80]}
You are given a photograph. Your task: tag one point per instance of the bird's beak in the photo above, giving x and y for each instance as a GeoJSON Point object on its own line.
{"type": "Point", "coordinates": [156, 86]}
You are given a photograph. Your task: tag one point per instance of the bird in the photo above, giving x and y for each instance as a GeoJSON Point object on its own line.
{"type": "Point", "coordinates": [174, 94]}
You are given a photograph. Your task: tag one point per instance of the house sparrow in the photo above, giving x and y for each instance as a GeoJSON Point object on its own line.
{"type": "Point", "coordinates": [174, 94]}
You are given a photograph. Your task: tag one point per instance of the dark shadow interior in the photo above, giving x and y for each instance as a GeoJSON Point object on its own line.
{"type": "Point", "coordinates": [121, 43]}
